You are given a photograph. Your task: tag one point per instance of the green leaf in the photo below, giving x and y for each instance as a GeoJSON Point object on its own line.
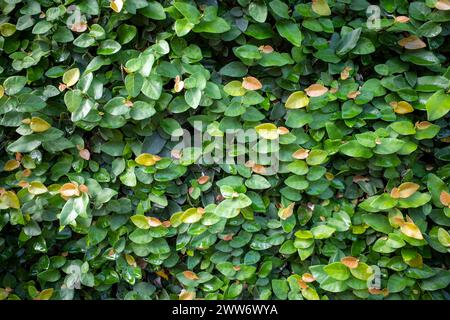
{"type": "Point", "coordinates": [290, 31]}
{"type": "Point", "coordinates": [438, 105]}
{"type": "Point", "coordinates": [348, 41]}
{"type": "Point", "coordinates": [14, 84]}
{"type": "Point", "coordinates": [337, 271]}
{"type": "Point", "coordinates": [322, 232]}
{"type": "Point", "coordinates": [258, 10]}
{"type": "Point", "coordinates": [378, 222]}
{"type": "Point", "coordinates": [73, 208]}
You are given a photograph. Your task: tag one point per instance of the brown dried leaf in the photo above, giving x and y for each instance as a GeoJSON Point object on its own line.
{"type": "Point", "coordinates": [402, 19]}
{"type": "Point", "coordinates": [422, 125]}
{"type": "Point", "coordinates": [202, 180]}
{"type": "Point", "coordinates": [350, 262]}
{"type": "Point", "coordinates": [353, 95]}
{"type": "Point", "coordinates": [412, 43]}
{"type": "Point", "coordinates": [190, 275]}
{"type": "Point", "coordinates": [251, 83]}
{"type": "Point", "coordinates": [266, 48]}
{"type": "Point", "coordinates": [300, 154]}
{"type": "Point", "coordinates": [445, 198]}
{"type": "Point", "coordinates": [443, 5]}
{"type": "Point", "coordinates": [316, 90]}
{"type": "Point", "coordinates": [259, 169]}
{"type": "Point", "coordinates": [69, 190]}
{"type": "Point", "coordinates": [405, 190]}
{"type": "Point", "coordinates": [84, 154]}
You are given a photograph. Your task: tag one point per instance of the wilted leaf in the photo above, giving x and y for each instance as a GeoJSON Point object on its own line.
{"type": "Point", "coordinates": [405, 190]}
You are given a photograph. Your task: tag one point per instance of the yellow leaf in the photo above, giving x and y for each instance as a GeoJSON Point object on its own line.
{"type": "Point", "coordinates": [70, 77]}
{"type": "Point", "coordinates": [10, 200]}
{"type": "Point", "coordinates": [297, 100]}
{"type": "Point", "coordinates": [192, 215]}
{"type": "Point", "coordinates": [411, 230]}
{"type": "Point", "coordinates": [36, 188]}
{"type": "Point", "coordinates": [147, 159]}
{"type": "Point", "coordinates": [162, 274]}
{"type": "Point", "coordinates": [11, 165]}
{"type": "Point", "coordinates": [2, 91]}
{"type": "Point", "coordinates": [402, 107]}
{"type": "Point", "coordinates": [179, 84]}
{"type": "Point", "coordinates": [251, 83]}
{"type": "Point", "coordinates": [130, 260]}
{"type": "Point", "coordinates": [116, 5]}
{"type": "Point", "coordinates": [267, 131]}
{"type": "Point", "coordinates": [285, 213]}
{"type": "Point", "coordinates": [444, 237]}
{"type": "Point", "coordinates": [415, 262]}
{"type": "Point", "coordinates": [316, 90]}
{"type": "Point", "coordinates": [234, 88]}
{"type": "Point", "coordinates": [307, 277]}
{"type": "Point", "coordinates": [412, 43]}
{"type": "Point", "coordinates": [321, 7]}
{"type": "Point", "coordinates": [405, 190]}
{"type": "Point", "coordinates": [186, 295]}
{"type": "Point", "coordinates": [153, 222]}
{"type": "Point", "coordinates": [350, 262]}
{"type": "Point", "coordinates": [69, 190]}
{"type": "Point", "coordinates": [39, 125]}
{"type": "Point", "coordinates": [45, 294]}
{"type": "Point", "coordinates": [443, 5]}
{"type": "Point", "coordinates": [310, 294]}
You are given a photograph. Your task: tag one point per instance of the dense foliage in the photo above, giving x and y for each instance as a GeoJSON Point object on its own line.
{"type": "Point", "coordinates": [98, 202]}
